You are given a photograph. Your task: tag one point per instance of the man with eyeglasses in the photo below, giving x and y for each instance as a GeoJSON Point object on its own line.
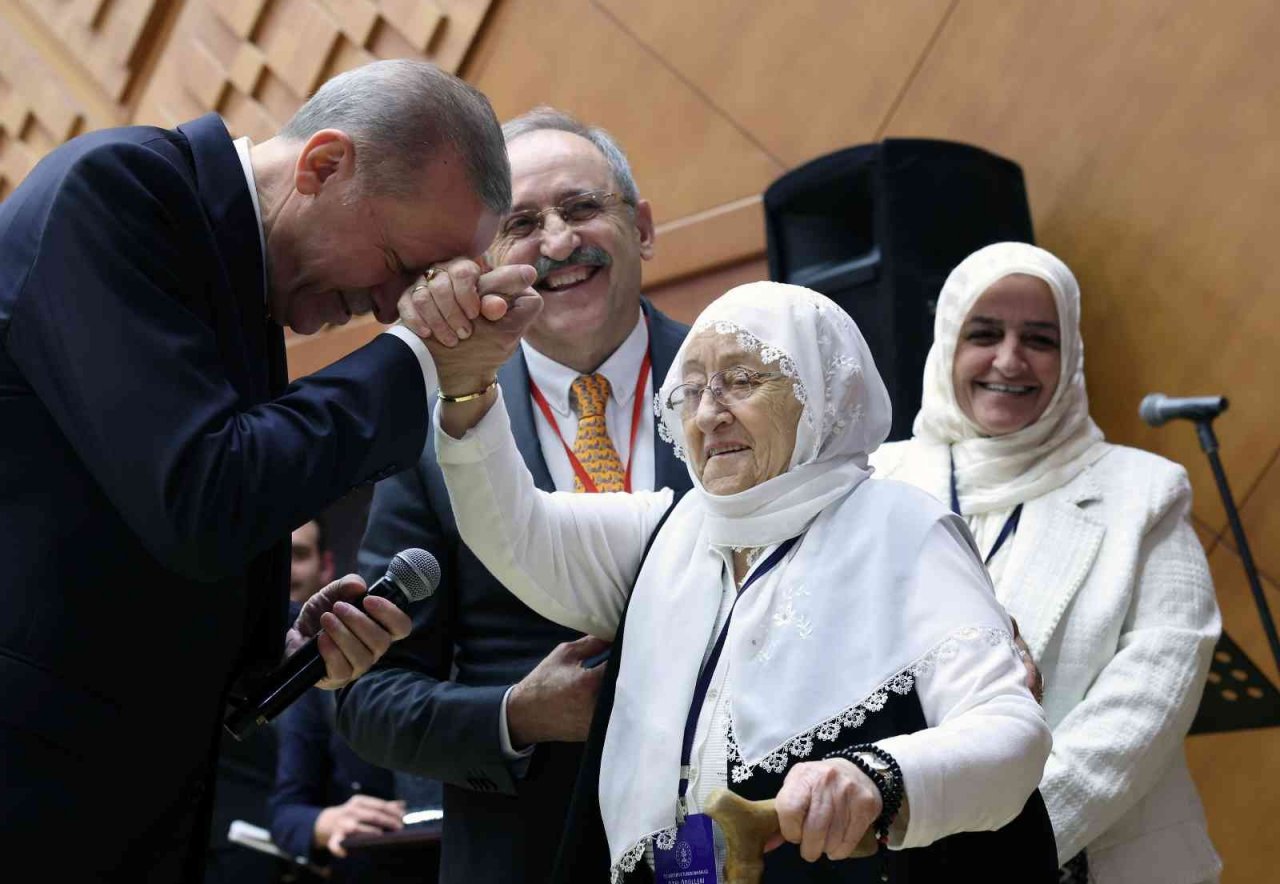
{"type": "Point", "coordinates": [487, 695]}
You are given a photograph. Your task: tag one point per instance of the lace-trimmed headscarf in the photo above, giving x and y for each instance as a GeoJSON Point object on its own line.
{"type": "Point", "coordinates": [999, 472]}
{"type": "Point", "coordinates": [882, 579]}
{"type": "Point", "coordinates": [846, 410]}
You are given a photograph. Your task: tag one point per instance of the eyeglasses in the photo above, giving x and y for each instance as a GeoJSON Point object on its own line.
{"type": "Point", "coordinates": [573, 210]}
{"type": "Point", "coordinates": [728, 386]}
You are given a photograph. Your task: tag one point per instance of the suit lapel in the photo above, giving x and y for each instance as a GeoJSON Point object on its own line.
{"type": "Point", "coordinates": [1056, 545]}
{"type": "Point", "coordinates": [254, 354]}
{"type": "Point", "coordinates": [665, 338]}
{"type": "Point", "coordinates": [251, 347]}
{"type": "Point", "coordinates": [514, 377]}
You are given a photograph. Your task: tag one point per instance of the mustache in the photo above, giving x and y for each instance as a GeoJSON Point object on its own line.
{"type": "Point", "coordinates": [583, 256]}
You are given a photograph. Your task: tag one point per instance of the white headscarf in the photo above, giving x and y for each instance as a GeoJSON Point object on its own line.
{"type": "Point", "coordinates": [998, 472]}
{"type": "Point", "coordinates": [813, 640]}
{"type": "Point", "coordinates": [846, 408]}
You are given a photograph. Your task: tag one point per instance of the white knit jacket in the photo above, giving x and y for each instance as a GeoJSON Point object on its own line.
{"type": "Point", "coordinates": [1111, 590]}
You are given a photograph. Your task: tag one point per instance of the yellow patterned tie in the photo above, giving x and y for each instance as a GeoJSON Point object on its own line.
{"type": "Point", "coordinates": [593, 447]}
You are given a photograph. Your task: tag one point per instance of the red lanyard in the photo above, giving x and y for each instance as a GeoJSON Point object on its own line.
{"type": "Point", "coordinates": [637, 406]}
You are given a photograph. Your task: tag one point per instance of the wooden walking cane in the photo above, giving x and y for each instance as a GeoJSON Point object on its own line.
{"type": "Point", "coordinates": [747, 826]}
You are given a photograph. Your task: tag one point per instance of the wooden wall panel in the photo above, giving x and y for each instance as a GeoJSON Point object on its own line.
{"type": "Point", "coordinates": [688, 157]}
{"type": "Point", "coordinates": [62, 67]}
{"type": "Point", "coordinates": [1142, 129]}
{"type": "Point", "coordinates": [256, 61]}
{"type": "Point", "coordinates": [36, 114]}
{"type": "Point", "coordinates": [103, 36]}
{"type": "Point", "coordinates": [760, 64]}
{"type": "Point", "coordinates": [683, 299]}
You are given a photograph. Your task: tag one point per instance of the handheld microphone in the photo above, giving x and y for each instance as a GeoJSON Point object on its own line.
{"type": "Point", "coordinates": [1158, 408]}
{"type": "Point", "coordinates": [412, 575]}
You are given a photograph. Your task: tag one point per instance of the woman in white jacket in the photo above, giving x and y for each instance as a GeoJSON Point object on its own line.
{"type": "Point", "coordinates": [1090, 550]}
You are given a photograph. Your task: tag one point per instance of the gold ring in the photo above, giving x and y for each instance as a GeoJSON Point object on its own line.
{"type": "Point", "coordinates": [432, 273]}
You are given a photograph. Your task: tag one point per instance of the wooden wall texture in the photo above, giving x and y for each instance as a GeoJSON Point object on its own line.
{"type": "Point", "coordinates": [1146, 131]}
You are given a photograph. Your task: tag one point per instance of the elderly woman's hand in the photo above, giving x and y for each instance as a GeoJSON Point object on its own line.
{"type": "Point", "coordinates": [827, 807]}
{"type": "Point", "coordinates": [444, 305]}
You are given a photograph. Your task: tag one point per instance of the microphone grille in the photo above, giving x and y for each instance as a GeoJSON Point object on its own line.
{"type": "Point", "coordinates": [1150, 410]}
{"type": "Point", "coordinates": [416, 572]}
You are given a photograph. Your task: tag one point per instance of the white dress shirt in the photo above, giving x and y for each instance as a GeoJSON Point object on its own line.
{"type": "Point", "coordinates": [623, 370]}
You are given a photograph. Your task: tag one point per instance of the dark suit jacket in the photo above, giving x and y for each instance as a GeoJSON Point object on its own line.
{"type": "Point", "coordinates": [152, 465]}
{"type": "Point", "coordinates": [431, 705]}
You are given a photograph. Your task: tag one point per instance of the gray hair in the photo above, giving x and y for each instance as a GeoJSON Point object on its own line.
{"type": "Point", "coordinates": [401, 113]}
{"type": "Point", "coordinates": [541, 118]}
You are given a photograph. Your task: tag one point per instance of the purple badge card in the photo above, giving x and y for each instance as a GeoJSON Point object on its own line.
{"type": "Point", "coordinates": [692, 858]}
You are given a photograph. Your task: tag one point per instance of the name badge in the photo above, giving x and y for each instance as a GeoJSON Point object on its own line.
{"type": "Point", "coordinates": [692, 858]}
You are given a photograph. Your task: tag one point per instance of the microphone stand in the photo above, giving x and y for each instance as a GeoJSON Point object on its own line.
{"type": "Point", "coordinates": [1209, 443]}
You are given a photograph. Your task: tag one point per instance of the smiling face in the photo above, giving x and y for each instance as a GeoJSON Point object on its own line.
{"type": "Point", "coordinates": [1009, 355]}
{"type": "Point", "coordinates": [591, 294]}
{"type": "Point", "coordinates": [335, 252]}
{"type": "Point", "coordinates": [738, 447]}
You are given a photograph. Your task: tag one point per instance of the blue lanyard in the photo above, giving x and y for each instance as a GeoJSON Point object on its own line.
{"type": "Point", "coordinates": [1010, 524]}
{"type": "Point", "coordinates": [708, 670]}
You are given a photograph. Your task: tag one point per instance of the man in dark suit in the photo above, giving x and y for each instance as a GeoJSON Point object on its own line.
{"type": "Point", "coordinates": [485, 694]}
{"type": "Point", "coordinates": [153, 461]}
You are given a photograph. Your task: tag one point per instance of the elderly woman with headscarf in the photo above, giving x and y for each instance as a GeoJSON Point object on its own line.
{"type": "Point", "coordinates": [791, 628]}
{"type": "Point", "coordinates": [1090, 550]}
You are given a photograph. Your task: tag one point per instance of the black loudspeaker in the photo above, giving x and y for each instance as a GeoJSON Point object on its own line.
{"type": "Point", "coordinates": [878, 227]}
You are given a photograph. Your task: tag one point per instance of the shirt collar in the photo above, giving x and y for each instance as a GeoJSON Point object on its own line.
{"type": "Point", "coordinates": [242, 150]}
{"type": "Point", "coordinates": [622, 368]}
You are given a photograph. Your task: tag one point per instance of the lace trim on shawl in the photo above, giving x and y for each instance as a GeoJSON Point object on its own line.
{"type": "Point", "coordinates": [663, 839]}
{"type": "Point", "coordinates": [802, 745]}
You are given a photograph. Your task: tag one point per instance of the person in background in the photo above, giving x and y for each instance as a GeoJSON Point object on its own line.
{"type": "Point", "coordinates": [310, 562]}
{"type": "Point", "coordinates": [487, 695]}
{"type": "Point", "coordinates": [323, 791]}
{"type": "Point", "coordinates": [1089, 547]}
{"type": "Point", "coordinates": [146, 278]}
